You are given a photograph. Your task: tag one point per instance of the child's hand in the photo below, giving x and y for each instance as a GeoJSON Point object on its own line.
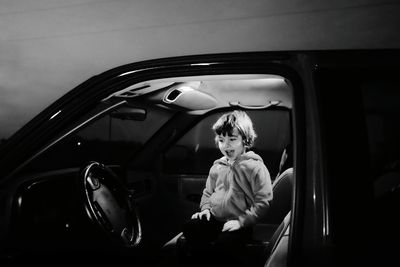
{"type": "Point", "coordinates": [231, 226]}
{"type": "Point", "coordinates": [199, 215]}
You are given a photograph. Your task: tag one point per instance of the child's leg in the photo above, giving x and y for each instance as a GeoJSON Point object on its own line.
{"type": "Point", "coordinates": [201, 230]}
{"type": "Point", "coordinates": [199, 233]}
{"type": "Point", "coordinates": [229, 246]}
{"type": "Point", "coordinates": [233, 239]}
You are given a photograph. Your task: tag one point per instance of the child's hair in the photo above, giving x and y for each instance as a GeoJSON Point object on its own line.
{"type": "Point", "coordinates": [239, 119]}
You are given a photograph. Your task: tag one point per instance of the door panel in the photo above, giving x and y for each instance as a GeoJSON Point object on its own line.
{"type": "Point", "coordinates": [188, 190]}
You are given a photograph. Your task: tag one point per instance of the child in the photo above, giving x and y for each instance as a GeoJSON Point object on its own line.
{"type": "Point", "coordinates": [237, 192]}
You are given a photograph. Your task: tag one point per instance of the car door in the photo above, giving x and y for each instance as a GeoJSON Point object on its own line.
{"type": "Point", "coordinates": [75, 109]}
{"type": "Point", "coordinates": [358, 97]}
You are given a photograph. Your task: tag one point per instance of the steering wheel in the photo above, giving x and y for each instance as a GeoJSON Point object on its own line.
{"type": "Point", "coordinates": [108, 203]}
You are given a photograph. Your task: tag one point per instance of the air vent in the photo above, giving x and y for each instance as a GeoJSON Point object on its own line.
{"type": "Point", "coordinates": [187, 95]}
{"type": "Point", "coordinates": [173, 95]}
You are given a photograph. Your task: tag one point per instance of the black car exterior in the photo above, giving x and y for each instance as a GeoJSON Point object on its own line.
{"type": "Point", "coordinates": [341, 99]}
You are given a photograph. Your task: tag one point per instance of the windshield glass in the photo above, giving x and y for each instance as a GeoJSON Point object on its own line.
{"type": "Point", "coordinates": [110, 139]}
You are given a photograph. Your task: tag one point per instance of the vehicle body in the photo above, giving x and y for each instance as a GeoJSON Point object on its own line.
{"type": "Point", "coordinates": [324, 211]}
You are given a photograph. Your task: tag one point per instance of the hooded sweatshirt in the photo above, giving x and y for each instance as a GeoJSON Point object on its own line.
{"type": "Point", "coordinates": [239, 191]}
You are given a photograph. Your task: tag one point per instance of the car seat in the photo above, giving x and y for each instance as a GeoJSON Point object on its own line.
{"type": "Point", "coordinates": [282, 198]}
{"type": "Point", "coordinates": [264, 233]}
{"type": "Point", "coordinates": [277, 256]}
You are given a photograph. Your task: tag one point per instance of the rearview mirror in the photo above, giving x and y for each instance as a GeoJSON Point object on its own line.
{"type": "Point", "coordinates": [129, 113]}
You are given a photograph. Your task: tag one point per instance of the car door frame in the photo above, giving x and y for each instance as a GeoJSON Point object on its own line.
{"type": "Point", "coordinates": [296, 66]}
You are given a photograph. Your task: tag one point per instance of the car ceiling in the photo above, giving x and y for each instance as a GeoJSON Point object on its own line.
{"type": "Point", "coordinates": [48, 47]}
{"type": "Point", "coordinates": [198, 94]}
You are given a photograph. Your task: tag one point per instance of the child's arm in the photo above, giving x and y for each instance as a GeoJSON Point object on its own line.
{"type": "Point", "coordinates": [207, 192]}
{"type": "Point", "coordinates": [205, 206]}
{"type": "Point", "coordinates": [261, 189]}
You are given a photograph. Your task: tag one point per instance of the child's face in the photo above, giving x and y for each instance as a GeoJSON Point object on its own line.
{"type": "Point", "coordinates": [231, 146]}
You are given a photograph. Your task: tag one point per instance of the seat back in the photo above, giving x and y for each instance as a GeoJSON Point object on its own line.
{"type": "Point", "coordinates": [278, 247]}
{"type": "Point", "coordinates": [282, 198]}
{"type": "Point", "coordinates": [261, 253]}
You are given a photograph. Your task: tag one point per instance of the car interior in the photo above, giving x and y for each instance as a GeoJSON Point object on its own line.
{"type": "Point", "coordinates": [120, 182]}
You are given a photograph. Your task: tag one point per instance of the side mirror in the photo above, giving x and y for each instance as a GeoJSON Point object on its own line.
{"type": "Point", "coordinates": [129, 113]}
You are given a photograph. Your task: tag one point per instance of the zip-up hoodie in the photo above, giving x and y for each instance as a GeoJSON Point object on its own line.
{"type": "Point", "coordinates": [239, 191]}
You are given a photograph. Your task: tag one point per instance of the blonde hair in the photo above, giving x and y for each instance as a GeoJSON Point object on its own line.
{"type": "Point", "coordinates": [236, 119]}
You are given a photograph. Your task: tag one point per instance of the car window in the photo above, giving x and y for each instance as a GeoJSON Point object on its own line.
{"type": "Point", "coordinates": [109, 140]}
{"type": "Point", "coordinates": [196, 151]}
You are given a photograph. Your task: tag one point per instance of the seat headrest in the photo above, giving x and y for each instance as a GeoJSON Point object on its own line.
{"type": "Point", "coordinates": [286, 160]}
